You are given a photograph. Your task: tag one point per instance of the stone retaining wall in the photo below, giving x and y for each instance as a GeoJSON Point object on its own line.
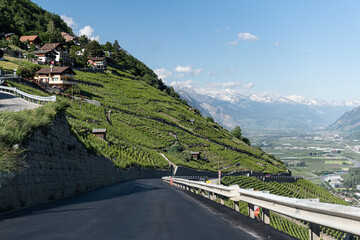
{"type": "Point", "coordinates": [58, 167]}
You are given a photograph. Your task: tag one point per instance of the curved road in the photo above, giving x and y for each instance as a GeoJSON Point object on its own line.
{"type": "Point", "coordinates": [136, 209]}
{"type": "Point", "coordinates": [9, 102]}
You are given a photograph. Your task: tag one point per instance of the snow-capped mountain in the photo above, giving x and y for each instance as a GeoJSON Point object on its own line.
{"type": "Point", "coordinates": [270, 97]}
{"type": "Point", "coordinates": [266, 111]}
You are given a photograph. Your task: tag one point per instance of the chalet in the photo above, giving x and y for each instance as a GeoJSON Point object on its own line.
{"type": "Point", "coordinates": [100, 133]}
{"type": "Point", "coordinates": [68, 37]}
{"type": "Point", "coordinates": [195, 155]}
{"type": "Point", "coordinates": [98, 62]}
{"type": "Point", "coordinates": [61, 77]}
{"type": "Point", "coordinates": [6, 36]}
{"type": "Point", "coordinates": [46, 57]}
{"type": "Point", "coordinates": [61, 54]}
{"type": "Point", "coordinates": [34, 39]}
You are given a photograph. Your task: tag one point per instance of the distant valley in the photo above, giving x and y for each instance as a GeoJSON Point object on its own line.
{"type": "Point", "coordinates": [252, 112]}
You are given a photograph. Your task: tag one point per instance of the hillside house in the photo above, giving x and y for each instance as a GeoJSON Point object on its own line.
{"type": "Point", "coordinates": [100, 133]}
{"type": "Point", "coordinates": [33, 39]}
{"type": "Point", "coordinates": [61, 77]}
{"type": "Point", "coordinates": [68, 37]}
{"type": "Point", "coordinates": [61, 54]}
{"type": "Point", "coordinates": [98, 62]}
{"type": "Point", "coordinates": [195, 155]}
{"type": "Point", "coordinates": [45, 57]}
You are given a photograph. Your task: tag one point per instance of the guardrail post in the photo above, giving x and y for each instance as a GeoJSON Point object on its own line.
{"type": "Point", "coordinates": [202, 193]}
{"type": "Point", "coordinates": [222, 202]}
{"type": "Point", "coordinates": [349, 237]}
{"type": "Point", "coordinates": [314, 231]}
{"type": "Point", "coordinates": [266, 216]}
{"type": "Point", "coordinates": [251, 210]}
{"type": "Point", "coordinates": [236, 206]}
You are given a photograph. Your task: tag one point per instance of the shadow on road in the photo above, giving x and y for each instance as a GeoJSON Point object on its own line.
{"type": "Point", "coordinates": [119, 190]}
{"type": "Point", "coordinates": [4, 95]}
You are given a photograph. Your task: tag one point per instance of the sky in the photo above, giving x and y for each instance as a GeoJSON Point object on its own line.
{"type": "Point", "coordinates": [300, 47]}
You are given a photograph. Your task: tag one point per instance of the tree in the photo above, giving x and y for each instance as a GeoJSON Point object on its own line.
{"type": "Point", "coordinates": [50, 27]}
{"type": "Point", "coordinates": [237, 132]}
{"type": "Point", "coordinates": [209, 119]}
{"type": "Point", "coordinates": [3, 43]}
{"type": "Point", "coordinates": [246, 140]}
{"type": "Point", "coordinates": [32, 48]}
{"type": "Point", "coordinates": [15, 40]}
{"type": "Point", "coordinates": [23, 72]}
{"type": "Point", "coordinates": [83, 40]}
{"type": "Point", "coordinates": [116, 51]}
{"type": "Point", "coordinates": [107, 46]}
{"type": "Point", "coordinates": [94, 49]}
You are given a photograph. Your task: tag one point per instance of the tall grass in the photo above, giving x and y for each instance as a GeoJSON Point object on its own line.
{"type": "Point", "coordinates": [16, 127]}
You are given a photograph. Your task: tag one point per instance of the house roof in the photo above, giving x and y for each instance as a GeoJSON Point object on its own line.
{"type": "Point", "coordinates": [50, 46]}
{"type": "Point", "coordinates": [67, 36]}
{"type": "Point", "coordinates": [58, 70]}
{"type": "Point", "coordinates": [99, 130]}
{"type": "Point", "coordinates": [30, 38]}
{"type": "Point", "coordinates": [42, 52]}
{"type": "Point", "coordinates": [97, 58]}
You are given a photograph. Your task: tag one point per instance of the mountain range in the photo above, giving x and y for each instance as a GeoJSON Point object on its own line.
{"type": "Point", "coordinates": [348, 122]}
{"type": "Point", "coordinates": [267, 111]}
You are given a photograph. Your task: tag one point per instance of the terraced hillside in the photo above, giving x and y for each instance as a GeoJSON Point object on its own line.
{"type": "Point", "coordinates": [301, 189]}
{"type": "Point", "coordinates": [145, 121]}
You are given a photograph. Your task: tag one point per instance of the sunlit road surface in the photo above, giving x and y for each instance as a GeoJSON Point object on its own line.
{"type": "Point", "coordinates": [9, 102]}
{"type": "Point", "coordinates": [136, 209]}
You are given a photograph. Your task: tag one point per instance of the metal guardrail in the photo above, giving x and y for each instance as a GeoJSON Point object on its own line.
{"type": "Point", "coordinates": [27, 96]}
{"type": "Point", "coordinates": [343, 218]}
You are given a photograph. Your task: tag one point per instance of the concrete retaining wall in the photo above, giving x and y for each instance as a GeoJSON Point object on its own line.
{"type": "Point", "coordinates": [58, 167]}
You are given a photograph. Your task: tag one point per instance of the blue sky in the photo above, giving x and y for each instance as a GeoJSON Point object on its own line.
{"type": "Point", "coordinates": [307, 48]}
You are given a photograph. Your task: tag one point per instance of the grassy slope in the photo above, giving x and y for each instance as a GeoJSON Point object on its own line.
{"type": "Point", "coordinates": [16, 127]}
{"type": "Point", "coordinates": [146, 121]}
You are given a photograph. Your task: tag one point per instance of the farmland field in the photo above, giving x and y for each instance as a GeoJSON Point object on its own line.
{"type": "Point", "coordinates": [311, 154]}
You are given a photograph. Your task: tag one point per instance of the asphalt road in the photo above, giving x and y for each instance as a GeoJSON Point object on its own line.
{"type": "Point", "coordinates": [136, 209]}
{"type": "Point", "coordinates": [9, 102]}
